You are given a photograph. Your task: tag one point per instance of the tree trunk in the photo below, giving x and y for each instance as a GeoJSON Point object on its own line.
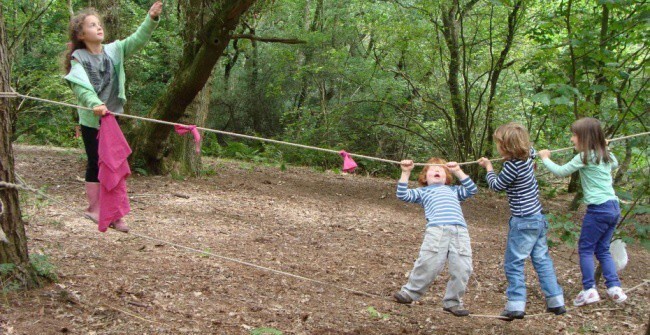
{"type": "Point", "coordinates": [450, 33]}
{"type": "Point", "coordinates": [199, 58]}
{"type": "Point", "coordinates": [310, 25]}
{"type": "Point", "coordinates": [625, 163]}
{"type": "Point", "coordinates": [184, 160]}
{"type": "Point", "coordinates": [600, 78]}
{"type": "Point", "coordinates": [513, 19]}
{"type": "Point", "coordinates": [574, 67]}
{"type": "Point", "coordinates": [14, 251]}
{"type": "Point", "coordinates": [574, 186]}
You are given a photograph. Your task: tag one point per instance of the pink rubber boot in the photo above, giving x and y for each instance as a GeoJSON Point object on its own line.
{"type": "Point", "coordinates": [92, 193]}
{"type": "Point", "coordinates": [120, 225]}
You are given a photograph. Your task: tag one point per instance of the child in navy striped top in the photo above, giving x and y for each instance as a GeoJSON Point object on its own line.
{"type": "Point", "coordinates": [527, 226]}
{"type": "Point", "coordinates": [446, 238]}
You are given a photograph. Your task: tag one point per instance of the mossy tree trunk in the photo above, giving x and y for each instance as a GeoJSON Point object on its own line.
{"type": "Point", "coordinates": [184, 160]}
{"type": "Point", "coordinates": [201, 52]}
{"type": "Point", "coordinates": [13, 250]}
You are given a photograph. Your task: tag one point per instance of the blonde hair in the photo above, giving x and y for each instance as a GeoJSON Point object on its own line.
{"type": "Point", "coordinates": [591, 137]}
{"type": "Point", "coordinates": [422, 178]}
{"type": "Point", "coordinates": [513, 141]}
{"type": "Point", "coordinates": [74, 30]}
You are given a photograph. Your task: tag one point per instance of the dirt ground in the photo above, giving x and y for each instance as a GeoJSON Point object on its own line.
{"type": "Point", "coordinates": [330, 232]}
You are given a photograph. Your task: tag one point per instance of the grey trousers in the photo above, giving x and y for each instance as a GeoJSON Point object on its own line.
{"type": "Point", "coordinates": [441, 244]}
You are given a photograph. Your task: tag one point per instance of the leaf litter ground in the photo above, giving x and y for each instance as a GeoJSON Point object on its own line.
{"type": "Point", "coordinates": [344, 230]}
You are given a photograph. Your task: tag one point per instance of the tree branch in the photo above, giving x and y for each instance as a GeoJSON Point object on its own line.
{"type": "Point", "coordinates": [268, 39]}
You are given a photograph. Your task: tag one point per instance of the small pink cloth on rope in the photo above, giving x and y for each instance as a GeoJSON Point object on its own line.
{"type": "Point", "coordinates": [348, 163]}
{"type": "Point", "coordinates": [183, 129]}
{"type": "Point", "coordinates": [113, 170]}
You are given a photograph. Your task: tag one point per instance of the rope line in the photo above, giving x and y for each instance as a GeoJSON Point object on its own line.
{"type": "Point", "coordinates": [18, 95]}
{"type": "Point", "coordinates": [234, 260]}
{"type": "Point", "coordinates": [259, 267]}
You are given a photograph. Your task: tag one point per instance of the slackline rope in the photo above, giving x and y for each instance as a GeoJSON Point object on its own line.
{"type": "Point", "coordinates": [259, 267]}
{"type": "Point", "coordinates": [18, 95]}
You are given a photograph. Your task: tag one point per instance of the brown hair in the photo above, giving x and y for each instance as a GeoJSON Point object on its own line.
{"type": "Point", "coordinates": [512, 141]}
{"type": "Point", "coordinates": [74, 30]}
{"type": "Point", "coordinates": [422, 178]}
{"type": "Point", "coordinates": [591, 137]}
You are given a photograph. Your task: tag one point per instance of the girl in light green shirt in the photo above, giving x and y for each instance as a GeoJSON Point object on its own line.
{"type": "Point", "coordinates": [594, 162]}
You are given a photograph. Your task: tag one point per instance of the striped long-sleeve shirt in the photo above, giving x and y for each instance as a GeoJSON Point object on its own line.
{"type": "Point", "coordinates": [441, 202]}
{"type": "Point", "coordinates": [517, 178]}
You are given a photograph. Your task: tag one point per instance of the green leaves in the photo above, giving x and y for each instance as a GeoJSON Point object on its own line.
{"type": "Point", "coordinates": [265, 331]}
{"type": "Point", "coordinates": [375, 314]}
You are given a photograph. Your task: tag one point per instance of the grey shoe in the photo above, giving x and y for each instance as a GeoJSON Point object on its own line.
{"type": "Point", "coordinates": [402, 297]}
{"type": "Point", "coordinates": [457, 310]}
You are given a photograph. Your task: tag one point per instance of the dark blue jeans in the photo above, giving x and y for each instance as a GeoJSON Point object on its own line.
{"type": "Point", "coordinates": [597, 229]}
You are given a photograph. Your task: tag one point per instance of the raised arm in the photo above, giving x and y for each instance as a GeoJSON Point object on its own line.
{"type": "Point", "coordinates": [403, 192]}
{"type": "Point", "coordinates": [467, 188]}
{"type": "Point", "coordinates": [501, 181]}
{"type": "Point", "coordinates": [141, 36]}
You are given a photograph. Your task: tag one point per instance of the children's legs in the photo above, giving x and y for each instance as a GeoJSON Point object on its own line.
{"type": "Point", "coordinates": [597, 228]}
{"type": "Point", "coordinates": [522, 236]}
{"type": "Point", "coordinates": [543, 265]}
{"type": "Point", "coordinates": [92, 194]}
{"type": "Point", "coordinates": [460, 267]}
{"type": "Point", "coordinates": [91, 144]}
{"type": "Point", "coordinates": [430, 262]}
{"type": "Point", "coordinates": [602, 246]}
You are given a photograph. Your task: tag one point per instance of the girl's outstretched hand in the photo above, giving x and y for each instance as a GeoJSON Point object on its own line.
{"type": "Point", "coordinates": [155, 10]}
{"type": "Point", "coordinates": [544, 154]}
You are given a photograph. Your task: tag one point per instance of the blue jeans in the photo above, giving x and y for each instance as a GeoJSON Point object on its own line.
{"type": "Point", "coordinates": [527, 237]}
{"type": "Point", "coordinates": [598, 227]}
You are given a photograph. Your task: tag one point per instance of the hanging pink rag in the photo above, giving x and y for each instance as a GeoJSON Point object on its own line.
{"type": "Point", "coordinates": [348, 163]}
{"type": "Point", "coordinates": [113, 170]}
{"type": "Point", "coordinates": [182, 130]}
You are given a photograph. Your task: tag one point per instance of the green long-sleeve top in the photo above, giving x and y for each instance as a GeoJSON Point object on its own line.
{"type": "Point", "coordinates": [119, 50]}
{"type": "Point", "coordinates": [596, 179]}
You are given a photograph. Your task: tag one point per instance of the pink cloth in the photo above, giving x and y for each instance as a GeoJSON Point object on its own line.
{"type": "Point", "coordinates": [113, 170]}
{"type": "Point", "coordinates": [348, 163]}
{"type": "Point", "coordinates": [183, 129]}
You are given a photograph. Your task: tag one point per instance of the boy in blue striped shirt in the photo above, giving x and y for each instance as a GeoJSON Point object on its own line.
{"type": "Point", "coordinates": [527, 225]}
{"type": "Point", "coordinates": [446, 238]}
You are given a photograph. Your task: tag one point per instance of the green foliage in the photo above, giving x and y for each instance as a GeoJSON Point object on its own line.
{"type": "Point", "coordinates": [7, 281]}
{"type": "Point", "coordinates": [375, 314]}
{"type": "Point", "coordinates": [265, 331]}
{"type": "Point", "coordinates": [563, 230]}
{"type": "Point", "coordinates": [43, 267]}
{"type": "Point", "coordinates": [635, 227]}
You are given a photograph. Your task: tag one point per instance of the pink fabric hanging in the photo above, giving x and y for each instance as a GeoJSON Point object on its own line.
{"type": "Point", "coordinates": [113, 170]}
{"type": "Point", "coordinates": [348, 163]}
{"type": "Point", "coordinates": [183, 129]}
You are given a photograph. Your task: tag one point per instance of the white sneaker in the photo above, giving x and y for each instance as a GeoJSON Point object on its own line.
{"type": "Point", "coordinates": [616, 293]}
{"type": "Point", "coordinates": [586, 297]}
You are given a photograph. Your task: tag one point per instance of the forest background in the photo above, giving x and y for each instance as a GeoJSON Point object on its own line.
{"type": "Point", "coordinates": [394, 79]}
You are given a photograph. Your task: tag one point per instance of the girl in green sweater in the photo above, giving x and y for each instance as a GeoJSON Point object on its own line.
{"type": "Point", "coordinates": [95, 73]}
{"type": "Point", "coordinates": [595, 163]}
